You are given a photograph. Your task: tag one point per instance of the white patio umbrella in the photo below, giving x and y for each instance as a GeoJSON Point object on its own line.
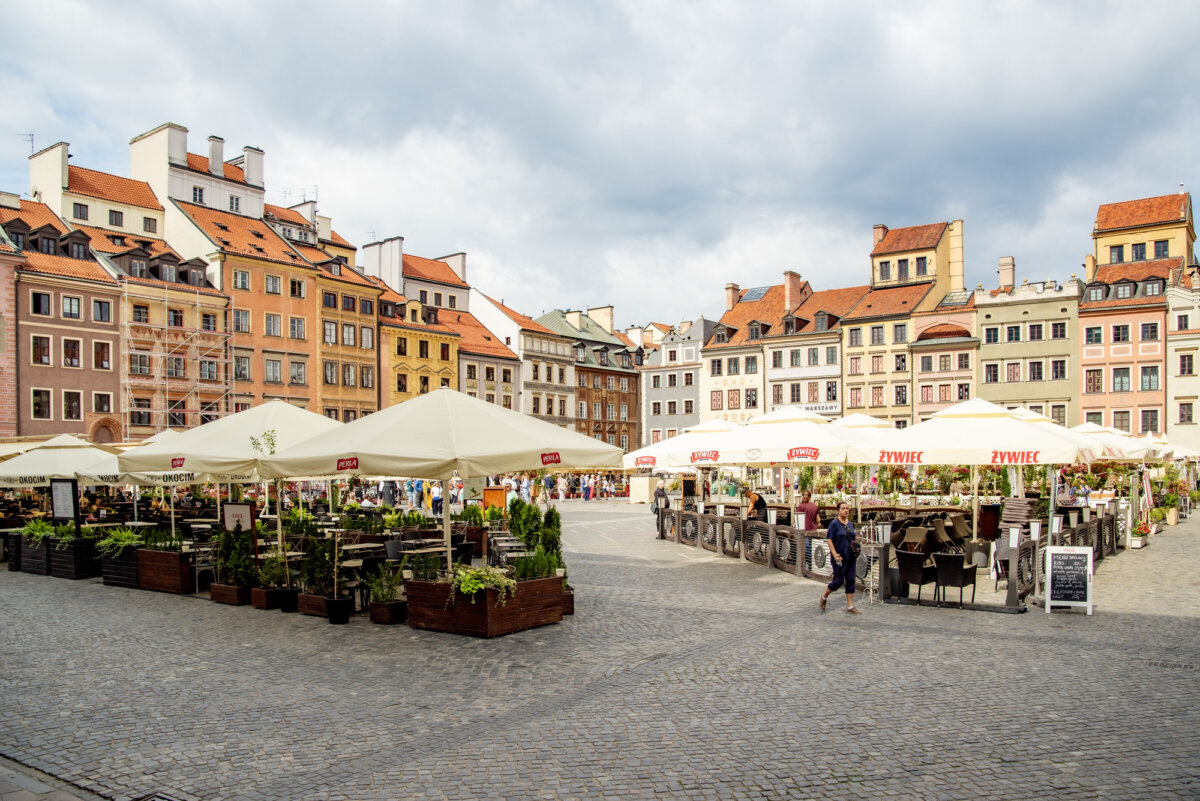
{"type": "Point", "coordinates": [789, 414]}
{"type": "Point", "coordinates": [855, 428]}
{"type": "Point", "coordinates": [437, 435]}
{"type": "Point", "coordinates": [655, 455]}
{"type": "Point", "coordinates": [1122, 447]}
{"type": "Point", "coordinates": [60, 457]}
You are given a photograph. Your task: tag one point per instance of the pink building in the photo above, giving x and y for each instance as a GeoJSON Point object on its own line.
{"type": "Point", "coordinates": [944, 354]}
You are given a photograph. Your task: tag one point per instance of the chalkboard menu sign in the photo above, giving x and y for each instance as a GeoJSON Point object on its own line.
{"type": "Point", "coordinates": [1068, 577]}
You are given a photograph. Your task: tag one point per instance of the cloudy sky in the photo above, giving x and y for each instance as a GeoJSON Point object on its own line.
{"type": "Point", "coordinates": [640, 154]}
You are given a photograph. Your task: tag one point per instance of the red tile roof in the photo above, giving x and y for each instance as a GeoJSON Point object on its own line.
{"type": "Point", "coordinates": [903, 240]}
{"type": "Point", "coordinates": [1136, 270]}
{"type": "Point", "coordinates": [526, 323]}
{"type": "Point", "coordinates": [237, 235]}
{"type": "Point", "coordinates": [33, 214]}
{"type": "Point", "coordinates": [625, 340]}
{"type": "Point", "coordinates": [1153, 300]}
{"type": "Point", "coordinates": [44, 263]}
{"type": "Point", "coordinates": [315, 255]}
{"type": "Point", "coordinates": [349, 275]}
{"type": "Point", "coordinates": [1147, 211]}
{"type": "Point", "coordinates": [943, 331]}
{"type": "Point", "coordinates": [660, 326]}
{"type": "Point", "coordinates": [768, 309]}
{"type": "Point", "coordinates": [200, 163]}
{"type": "Point", "coordinates": [94, 183]}
{"type": "Point", "coordinates": [286, 215]}
{"type": "Point", "coordinates": [889, 301]}
{"type": "Point", "coordinates": [102, 243]}
{"type": "Point", "coordinates": [476, 338]}
{"type": "Point", "coordinates": [337, 239]}
{"type": "Point", "coordinates": [204, 290]}
{"type": "Point", "coordinates": [389, 295]}
{"type": "Point", "coordinates": [835, 302]}
{"type": "Point", "coordinates": [431, 270]}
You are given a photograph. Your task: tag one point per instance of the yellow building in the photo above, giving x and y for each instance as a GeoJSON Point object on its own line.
{"type": "Point", "coordinates": [912, 269]}
{"type": "Point", "coordinates": [417, 353]}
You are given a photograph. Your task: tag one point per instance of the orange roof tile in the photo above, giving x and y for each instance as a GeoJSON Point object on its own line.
{"type": "Point", "coordinates": [349, 275]}
{"type": "Point", "coordinates": [7, 248]}
{"type": "Point", "coordinates": [94, 183]}
{"type": "Point", "coordinates": [1147, 211]}
{"type": "Point", "coordinates": [337, 239]}
{"type": "Point", "coordinates": [431, 270]}
{"type": "Point", "coordinates": [1153, 300]}
{"type": "Point", "coordinates": [835, 302]}
{"type": "Point", "coordinates": [625, 340]}
{"type": "Point", "coordinates": [476, 338]}
{"type": "Point", "coordinates": [768, 309]}
{"type": "Point", "coordinates": [389, 295]}
{"type": "Point", "coordinates": [1136, 270]}
{"type": "Point", "coordinates": [44, 263]}
{"type": "Point", "coordinates": [102, 243]}
{"type": "Point", "coordinates": [286, 215]}
{"type": "Point", "coordinates": [204, 290]}
{"type": "Point", "coordinates": [943, 331]}
{"type": "Point", "coordinates": [660, 326]}
{"type": "Point", "coordinates": [526, 323]}
{"type": "Point", "coordinates": [315, 255]}
{"type": "Point", "coordinates": [889, 301]}
{"type": "Point", "coordinates": [903, 240]}
{"type": "Point", "coordinates": [33, 214]}
{"type": "Point", "coordinates": [233, 233]}
{"type": "Point", "coordinates": [200, 164]}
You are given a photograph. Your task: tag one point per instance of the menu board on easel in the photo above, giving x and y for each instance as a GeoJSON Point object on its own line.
{"type": "Point", "coordinates": [1069, 574]}
{"type": "Point", "coordinates": [64, 499]}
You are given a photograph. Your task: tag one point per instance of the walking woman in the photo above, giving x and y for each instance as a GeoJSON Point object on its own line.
{"type": "Point", "coordinates": [844, 549]}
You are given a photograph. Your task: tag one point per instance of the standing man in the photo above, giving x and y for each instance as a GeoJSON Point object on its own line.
{"type": "Point", "coordinates": [562, 487]}
{"type": "Point", "coordinates": [661, 504]}
{"type": "Point", "coordinates": [806, 511]}
{"type": "Point", "coordinates": [842, 546]}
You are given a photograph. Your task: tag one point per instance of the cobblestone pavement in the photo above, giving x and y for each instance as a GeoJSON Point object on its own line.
{"type": "Point", "coordinates": [682, 675]}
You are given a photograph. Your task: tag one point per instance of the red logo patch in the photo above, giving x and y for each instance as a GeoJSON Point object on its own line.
{"type": "Point", "coordinates": [177, 462]}
{"type": "Point", "coordinates": [348, 464]}
{"type": "Point", "coordinates": [551, 458]}
{"type": "Point", "coordinates": [645, 461]}
{"type": "Point", "coordinates": [804, 453]}
{"type": "Point", "coordinates": [705, 456]}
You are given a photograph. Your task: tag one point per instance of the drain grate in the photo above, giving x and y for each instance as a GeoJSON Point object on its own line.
{"type": "Point", "coordinates": [1172, 665]}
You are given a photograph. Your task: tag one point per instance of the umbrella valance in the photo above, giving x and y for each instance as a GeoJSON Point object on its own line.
{"type": "Point", "coordinates": [60, 457]}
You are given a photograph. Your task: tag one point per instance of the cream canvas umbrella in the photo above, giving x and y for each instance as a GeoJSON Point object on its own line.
{"type": "Point", "coordinates": [858, 427]}
{"type": "Point", "coordinates": [1122, 447]}
{"type": "Point", "coordinates": [60, 457]}
{"type": "Point", "coordinates": [655, 455]}
{"type": "Point", "coordinates": [789, 414]}
{"type": "Point", "coordinates": [437, 435]}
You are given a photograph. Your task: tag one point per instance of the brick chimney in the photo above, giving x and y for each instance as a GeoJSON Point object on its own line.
{"type": "Point", "coordinates": [575, 318]}
{"type": "Point", "coordinates": [732, 291]}
{"type": "Point", "coordinates": [880, 232]}
{"type": "Point", "coordinates": [216, 156]}
{"type": "Point", "coordinates": [793, 290]}
{"type": "Point", "coordinates": [1007, 271]}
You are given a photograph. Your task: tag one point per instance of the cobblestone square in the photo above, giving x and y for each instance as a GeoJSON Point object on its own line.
{"type": "Point", "coordinates": [681, 675]}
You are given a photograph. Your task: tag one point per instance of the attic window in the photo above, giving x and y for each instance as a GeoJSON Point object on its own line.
{"type": "Point", "coordinates": [259, 249]}
{"type": "Point", "coordinates": [755, 331]}
{"type": "Point", "coordinates": [257, 234]}
{"type": "Point", "coordinates": [1124, 291]}
{"type": "Point", "coordinates": [1153, 288]}
{"type": "Point", "coordinates": [224, 242]}
{"type": "Point", "coordinates": [142, 243]}
{"type": "Point", "coordinates": [822, 322]}
{"type": "Point", "coordinates": [221, 226]}
{"type": "Point", "coordinates": [117, 240]}
{"type": "Point", "coordinates": [580, 353]}
{"type": "Point", "coordinates": [1096, 293]}
{"type": "Point", "coordinates": [335, 268]}
{"type": "Point", "coordinates": [292, 256]}
{"type": "Point", "coordinates": [720, 336]}
{"type": "Point", "coordinates": [789, 326]}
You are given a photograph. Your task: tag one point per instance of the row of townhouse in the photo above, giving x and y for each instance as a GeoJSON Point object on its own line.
{"type": "Point", "coordinates": [177, 295]}
{"type": "Point", "coordinates": [1116, 347]}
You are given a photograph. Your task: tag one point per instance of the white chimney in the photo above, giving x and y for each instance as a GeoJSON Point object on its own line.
{"type": "Point", "coordinates": [252, 165]}
{"type": "Point", "coordinates": [575, 318]}
{"type": "Point", "coordinates": [1007, 271]}
{"type": "Point", "coordinates": [177, 144]}
{"type": "Point", "coordinates": [603, 317]}
{"type": "Point", "coordinates": [216, 156]}
{"type": "Point", "coordinates": [458, 263]}
{"type": "Point", "coordinates": [385, 261]}
{"type": "Point", "coordinates": [9, 200]}
{"type": "Point", "coordinates": [307, 209]}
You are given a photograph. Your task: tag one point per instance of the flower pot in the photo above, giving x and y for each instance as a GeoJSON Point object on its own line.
{"type": "Point", "coordinates": [1138, 542]}
{"type": "Point", "coordinates": [273, 598]}
{"type": "Point", "coordinates": [229, 594]}
{"type": "Point", "coordinates": [309, 604]}
{"type": "Point", "coordinates": [14, 551]}
{"type": "Point", "coordinates": [338, 610]}
{"type": "Point", "coordinates": [164, 571]}
{"type": "Point", "coordinates": [35, 559]}
{"type": "Point", "coordinates": [78, 560]}
{"type": "Point", "coordinates": [288, 597]}
{"type": "Point", "coordinates": [389, 613]}
{"type": "Point", "coordinates": [121, 569]}
{"type": "Point", "coordinates": [1173, 516]}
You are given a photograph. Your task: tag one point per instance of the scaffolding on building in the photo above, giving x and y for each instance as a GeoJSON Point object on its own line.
{"type": "Point", "coordinates": [170, 400]}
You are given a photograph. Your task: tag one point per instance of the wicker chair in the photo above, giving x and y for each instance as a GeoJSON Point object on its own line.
{"type": "Point", "coordinates": [952, 571]}
{"type": "Point", "coordinates": [913, 570]}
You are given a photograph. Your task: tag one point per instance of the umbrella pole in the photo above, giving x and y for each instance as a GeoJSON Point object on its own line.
{"type": "Point", "coordinates": [974, 502]}
{"type": "Point", "coordinates": [857, 495]}
{"type": "Point", "coordinates": [279, 540]}
{"type": "Point", "coordinates": [446, 530]}
{"type": "Point", "coordinates": [172, 513]}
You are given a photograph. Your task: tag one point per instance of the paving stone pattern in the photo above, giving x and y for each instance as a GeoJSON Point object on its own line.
{"type": "Point", "coordinates": [682, 675]}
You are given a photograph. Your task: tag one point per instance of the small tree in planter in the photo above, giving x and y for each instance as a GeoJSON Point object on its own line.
{"type": "Point", "coordinates": [385, 586]}
{"type": "Point", "coordinates": [35, 547]}
{"type": "Point", "coordinates": [321, 559]}
{"type": "Point", "coordinates": [118, 557]}
{"type": "Point", "coordinates": [272, 576]}
{"type": "Point", "coordinates": [234, 567]}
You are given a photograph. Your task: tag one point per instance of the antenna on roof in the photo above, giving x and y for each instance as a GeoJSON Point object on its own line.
{"type": "Point", "coordinates": [29, 136]}
{"type": "Point", "coordinates": [370, 236]}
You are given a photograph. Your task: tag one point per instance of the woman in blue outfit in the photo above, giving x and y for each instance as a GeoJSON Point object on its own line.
{"type": "Point", "coordinates": [844, 550]}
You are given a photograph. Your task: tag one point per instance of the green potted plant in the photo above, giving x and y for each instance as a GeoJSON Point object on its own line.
{"type": "Point", "coordinates": [35, 547]}
{"type": "Point", "coordinates": [1170, 502]}
{"type": "Point", "coordinates": [233, 567]}
{"type": "Point", "coordinates": [317, 575]}
{"type": "Point", "coordinates": [163, 566]}
{"type": "Point", "coordinates": [1140, 536]}
{"type": "Point", "coordinates": [271, 592]}
{"type": "Point", "coordinates": [118, 557]}
{"type": "Point", "coordinates": [385, 586]}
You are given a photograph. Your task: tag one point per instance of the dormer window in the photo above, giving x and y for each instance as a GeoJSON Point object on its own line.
{"type": "Point", "coordinates": [47, 245]}
{"type": "Point", "coordinates": [822, 322]}
{"type": "Point", "coordinates": [79, 250]}
{"type": "Point", "coordinates": [637, 358]}
{"type": "Point", "coordinates": [137, 268]}
{"type": "Point", "coordinates": [18, 240]}
{"type": "Point", "coordinates": [167, 272]}
{"type": "Point", "coordinates": [1153, 288]}
{"type": "Point", "coordinates": [257, 234]}
{"type": "Point", "coordinates": [603, 358]}
{"type": "Point", "coordinates": [1096, 293]}
{"type": "Point", "coordinates": [789, 326]}
{"type": "Point", "coordinates": [221, 226]}
{"type": "Point", "coordinates": [755, 331]}
{"type": "Point", "coordinates": [720, 336]}
{"type": "Point", "coordinates": [117, 240]}
{"type": "Point", "coordinates": [1124, 291]}
{"type": "Point", "coordinates": [196, 277]}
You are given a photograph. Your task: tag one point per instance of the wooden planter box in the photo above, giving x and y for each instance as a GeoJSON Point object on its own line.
{"type": "Point", "coordinates": [35, 560]}
{"type": "Point", "coordinates": [536, 603]}
{"type": "Point", "coordinates": [477, 535]}
{"type": "Point", "coordinates": [229, 594]}
{"type": "Point", "coordinates": [389, 613]}
{"type": "Point", "coordinates": [79, 560]}
{"type": "Point", "coordinates": [165, 571]}
{"type": "Point", "coordinates": [307, 604]}
{"type": "Point", "coordinates": [569, 601]}
{"type": "Point", "coordinates": [14, 551]}
{"type": "Point", "coordinates": [121, 570]}
{"type": "Point", "coordinates": [280, 598]}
